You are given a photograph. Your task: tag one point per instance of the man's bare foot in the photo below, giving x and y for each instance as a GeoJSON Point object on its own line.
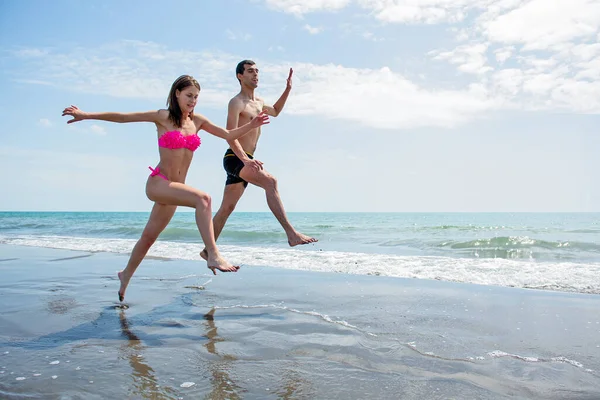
{"type": "Point", "coordinates": [124, 283]}
{"type": "Point", "coordinates": [219, 263]}
{"type": "Point", "coordinates": [298, 238]}
{"type": "Point", "coordinates": [204, 255]}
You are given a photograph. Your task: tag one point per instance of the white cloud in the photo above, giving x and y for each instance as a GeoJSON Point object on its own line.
{"type": "Point", "coordinates": [555, 60]}
{"type": "Point", "coordinates": [373, 97]}
{"type": "Point", "coordinates": [382, 98]}
{"type": "Point", "coordinates": [31, 52]}
{"type": "Point", "coordinates": [299, 7]}
{"type": "Point", "coordinates": [577, 95]}
{"type": "Point", "coordinates": [589, 70]}
{"type": "Point", "coordinates": [536, 23]}
{"type": "Point", "coordinates": [462, 35]}
{"type": "Point", "coordinates": [358, 30]}
{"type": "Point", "coordinates": [415, 11]}
{"type": "Point", "coordinates": [34, 82]}
{"type": "Point", "coordinates": [559, 69]}
{"type": "Point", "coordinates": [541, 84]}
{"type": "Point", "coordinates": [313, 30]}
{"type": "Point", "coordinates": [237, 36]}
{"type": "Point", "coordinates": [82, 128]}
{"type": "Point", "coordinates": [504, 53]}
{"type": "Point", "coordinates": [45, 122]}
{"type": "Point", "coordinates": [507, 83]}
{"type": "Point", "coordinates": [567, 29]}
{"type": "Point", "coordinates": [470, 58]}
{"type": "Point", "coordinates": [539, 25]}
{"type": "Point", "coordinates": [539, 64]}
{"type": "Point", "coordinates": [371, 36]}
{"type": "Point", "coordinates": [545, 87]}
{"type": "Point", "coordinates": [131, 69]}
{"type": "Point", "coordinates": [97, 129]}
{"type": "Point", "coordinates": [377, 97]}
{"type": "Point", "coordinates": [406, 11]}
{"type": "Point", "coordinates": [585, 52]}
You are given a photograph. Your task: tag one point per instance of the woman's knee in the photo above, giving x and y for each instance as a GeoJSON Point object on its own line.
{"type": "Point", "coordinates": [148, 239]}
{"type": "Point", "coordinates": [203, 200]}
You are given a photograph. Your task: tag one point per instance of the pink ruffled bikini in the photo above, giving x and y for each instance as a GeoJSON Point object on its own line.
{"type": "Point", "coordinates": [175, 140]}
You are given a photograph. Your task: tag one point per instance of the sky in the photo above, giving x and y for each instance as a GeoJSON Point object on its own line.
{"type": "Point", "coordinates": [396, 106]}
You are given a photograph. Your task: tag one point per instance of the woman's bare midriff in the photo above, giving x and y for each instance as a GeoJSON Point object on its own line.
{"type": "Point", "coordinates": [174, 165]}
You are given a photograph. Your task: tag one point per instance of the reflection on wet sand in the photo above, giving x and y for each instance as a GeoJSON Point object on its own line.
{"type": "Point", "coordinates": [222, 385]}
{"type": "Point", "coordinates": [293, 386]}
{"type": "Point", "coordinates": [145, 384]}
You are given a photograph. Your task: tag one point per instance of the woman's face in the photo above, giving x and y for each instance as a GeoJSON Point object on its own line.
{"type": "Point", "coordinates": [187, 98]}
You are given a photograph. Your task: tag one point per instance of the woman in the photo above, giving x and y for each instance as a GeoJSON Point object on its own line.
{"type": "Point", "coordinates": [177, 128]}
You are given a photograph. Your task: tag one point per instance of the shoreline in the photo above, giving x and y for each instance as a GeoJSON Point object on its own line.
{"type": "Point", "coordinates": [425, 268]}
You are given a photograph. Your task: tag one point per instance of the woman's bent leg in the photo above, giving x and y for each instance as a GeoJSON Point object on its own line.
{"type": "Point", "coordinates": [180, 194]}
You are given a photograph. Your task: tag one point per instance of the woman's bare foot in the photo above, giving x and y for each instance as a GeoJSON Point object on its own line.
{"type": "Point", "coordinates": [124, 282]}
{"type": "Point", "coordinates": [297, 238]}
{"type": "Point", "coordinates": [204, 255]}
{"type": "Point", "coordinates": [219, 263]}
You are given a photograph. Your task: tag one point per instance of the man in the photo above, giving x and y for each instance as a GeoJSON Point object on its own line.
{"type": "Point", "coordinates": [239, 163]}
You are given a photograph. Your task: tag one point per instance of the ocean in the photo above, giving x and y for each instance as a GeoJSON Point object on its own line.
{"type": "Point", "coordinates": [552, 251]}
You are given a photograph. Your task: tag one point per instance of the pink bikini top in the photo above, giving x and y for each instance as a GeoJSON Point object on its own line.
{"type": "Point", "coordinates": [176, 140]}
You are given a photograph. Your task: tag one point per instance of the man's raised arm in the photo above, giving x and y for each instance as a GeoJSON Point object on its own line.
{"type": "Point", "coordinates": [278, 106]}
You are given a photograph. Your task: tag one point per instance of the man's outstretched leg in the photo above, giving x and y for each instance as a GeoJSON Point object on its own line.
{"type": "Point", "coordinates": [268, 182]}
{"type": "Point", "coordinates": [231, 195]}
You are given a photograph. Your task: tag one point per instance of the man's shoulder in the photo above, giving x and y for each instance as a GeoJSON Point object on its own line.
{"type": "Point", "coordinates": [236, 101]}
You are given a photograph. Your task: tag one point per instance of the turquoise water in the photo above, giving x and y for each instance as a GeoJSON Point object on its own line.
{"type": "Point", "coordinates": [559, 251]}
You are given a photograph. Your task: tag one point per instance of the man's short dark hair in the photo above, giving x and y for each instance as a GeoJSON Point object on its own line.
{"type": "Point", "coordinates": [240, 67]}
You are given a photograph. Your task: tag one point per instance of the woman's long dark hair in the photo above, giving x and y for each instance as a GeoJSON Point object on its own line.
{"type": "Point", "coordinates": [180, 84]}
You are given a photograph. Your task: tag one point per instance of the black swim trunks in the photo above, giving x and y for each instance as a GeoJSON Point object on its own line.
{"type": "Point", "coordinates": [233, 165]}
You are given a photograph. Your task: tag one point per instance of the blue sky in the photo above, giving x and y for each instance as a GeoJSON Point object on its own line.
{"type": "Point", "coordinates": [398, 105]}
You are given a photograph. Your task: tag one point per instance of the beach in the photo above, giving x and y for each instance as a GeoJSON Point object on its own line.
{"type": "Point", "coordinates": [267, 332]}
{"type": "Point", "coordinates": [406, 193]}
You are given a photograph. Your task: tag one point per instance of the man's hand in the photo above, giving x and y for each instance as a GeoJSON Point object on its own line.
{"type": "Point", "coordinates": [289, 80]}
{"type": "Point", "coordinates": [253, 164]}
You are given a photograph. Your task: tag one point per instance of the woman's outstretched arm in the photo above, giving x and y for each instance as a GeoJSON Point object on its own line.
{"type": "Point", "coordinates": [79, 115]}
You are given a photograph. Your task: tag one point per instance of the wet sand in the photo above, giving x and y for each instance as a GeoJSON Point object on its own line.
{"type": "Point", "coordinates": [272, 333]}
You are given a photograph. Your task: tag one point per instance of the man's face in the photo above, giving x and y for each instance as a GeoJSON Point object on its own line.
{"type": "Point", "coordinates": [250, 76]}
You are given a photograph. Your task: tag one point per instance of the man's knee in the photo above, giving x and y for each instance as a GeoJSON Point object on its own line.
{"type": "Point", "coordinates": [227, 208]}
{"type": "Point", "coordinates": [259, 178]}
{"type": "Point", "coordinates": [262, 179]}
{"type": "Point", "coordinates": [270, 182]}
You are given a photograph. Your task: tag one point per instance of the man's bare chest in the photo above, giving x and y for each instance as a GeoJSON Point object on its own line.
{"type": "Point", "coordinates": [252, 109]}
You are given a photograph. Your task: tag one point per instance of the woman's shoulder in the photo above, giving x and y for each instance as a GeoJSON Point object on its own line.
{"type": "Point", "coordinates": [163, 113]}
{"type": "Point", "coordinates": [199, 118]}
